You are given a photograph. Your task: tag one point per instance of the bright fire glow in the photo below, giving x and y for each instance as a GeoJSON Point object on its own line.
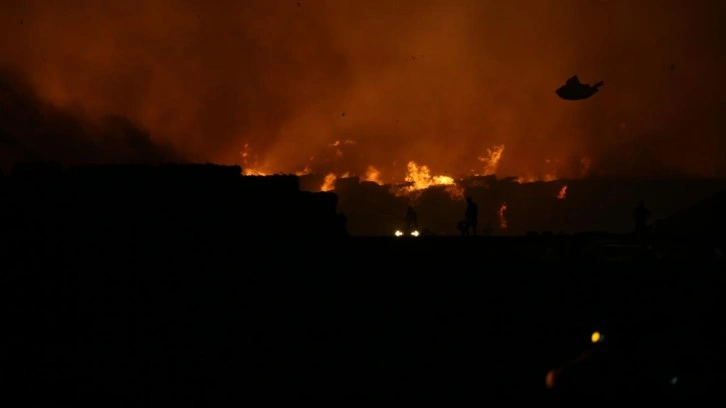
{"type": "Point", "coordinates": [421, 178]}
{"type": "Point", "coordinates": [596, 337]}
{"type": "Point", "coordinates": [502, 214]}
{"type": "Point", "coordinates": [491, 160]}
{"type": "Point", "coordinates": [418, 176]}
{"type": "Point", "coordinates": [563, 193]}
{"type": "Point", "coordinates": [372, 174]}
{"type": "Point", "coordinates": [329, 182]}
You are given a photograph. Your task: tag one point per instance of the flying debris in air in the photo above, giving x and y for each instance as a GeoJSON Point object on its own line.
{"type": "Point", "coordinates": [573, 90]}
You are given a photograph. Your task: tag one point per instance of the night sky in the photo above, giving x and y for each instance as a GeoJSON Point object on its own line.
{"type": "Point", "coordinates": [436, 82]}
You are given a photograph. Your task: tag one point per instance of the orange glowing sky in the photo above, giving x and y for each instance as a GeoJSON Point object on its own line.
{"type": "Point", "coordinates": [436, 82]}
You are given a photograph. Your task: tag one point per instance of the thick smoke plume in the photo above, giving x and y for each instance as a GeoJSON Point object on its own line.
{"type": "Point", "coordinates": [33, 130]}
{"type": "Point", "coordinates": [436, 82]}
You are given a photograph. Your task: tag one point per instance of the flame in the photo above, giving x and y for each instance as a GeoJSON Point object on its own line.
{"type": "Point", "coordinates": [337, 144]}
{"type": "Point", "coordinates": [329, 182]}
{"type": "Point", "coordinates": [344, 142]}
{"type": "Point", "coordinates": [304, 171]}
{"type": "Point", "coordinates": [418, 176]}
{"type": "Point", "coordinates": [563, 193]}
{"type": "Point", "coordinates": [254, 172]}
{"type": "Point", "coordinates": [502, 216]}
{"type": "Point", "coordinates": [491, 160]}
{"type": "Point", "coordinates": [534, 179]}
{"type": "Point", "coordinates": [422, 179]}
{"type": "Point", "coordinates": [249, 164]}
{"type": "Point", "coordinates": [372, 174]}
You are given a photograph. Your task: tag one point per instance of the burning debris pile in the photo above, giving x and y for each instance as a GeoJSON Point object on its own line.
{"type": "Point", "coordinates": [509, 206]}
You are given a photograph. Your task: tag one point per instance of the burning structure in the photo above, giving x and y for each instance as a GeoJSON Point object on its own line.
{"type": "Point", "coordinates": [511, 207]}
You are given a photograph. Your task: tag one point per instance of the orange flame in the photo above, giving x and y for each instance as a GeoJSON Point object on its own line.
{"type": "Point", "coordinates": [372, 174]}
{"type": "Point", "coordinates": [329, 182]}
{"type": "Point", "coordinates": [491, 160]}
{"type": "Point", "coordinates": [563, 193]}
{"type": "Point", "coordinates": [502, 216]}
{"type": "Point", "coordinates": [420, 178]}
{"type": "Point", "coordinates": [533, 179]}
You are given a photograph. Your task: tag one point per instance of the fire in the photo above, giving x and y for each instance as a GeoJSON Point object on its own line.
{"type": "Point", "coordinates": [304, 171]}
{"type": "Point", "coordinates": [329, 182]}
{"type": "Point", "coordinates": [502, 216]}
{"type": "Point", "coordinates": [421, 179]}
{"type": "Point", "coordinates": [491, 160]}
{"type": "Point", "coordinates": [254, 172]}
{"type": "Point", "coordinates": [372, 174]}
{"type": "Point", "coordinates": [563, 193]}
{"type": "Point", "coordinates": [344, 142]}
{"type": "Point", "coordinates": [549, 177]}
{"type": "Point", "coordinates": [533, 179]}
{"type": "Point", "coordinates": [249, 163]}
{"type": "Point", "coordinates": [338, 144]}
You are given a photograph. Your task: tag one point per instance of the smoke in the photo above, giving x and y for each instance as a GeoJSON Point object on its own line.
{"type": "Point", "coordinates": [433, 81]}
{"type": "Point", "coordinates": [33, 130]}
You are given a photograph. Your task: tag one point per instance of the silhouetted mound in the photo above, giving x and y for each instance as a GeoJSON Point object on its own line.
{"type": "Point", "coordinates": [275, 184]}
{"type": "Point", "coordinates": [39, 172]}
{"type": "Point", "coordinates": [705, 218]}
{"type": "Point", "coordinates": [136, 204]}
{"type": "Point", "coordinates": [574, 90]}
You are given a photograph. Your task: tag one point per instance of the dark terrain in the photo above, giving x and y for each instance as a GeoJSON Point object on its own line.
{"type": "Point", "coordinates": [191, 285]}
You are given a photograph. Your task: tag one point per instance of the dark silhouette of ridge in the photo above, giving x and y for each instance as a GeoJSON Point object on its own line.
{"type": "Point", "coordinates": [706, 217]}
{"type": "Point", "coordinates": [135, 202]}
{"type": "Point", "coordinates": [195, 285]}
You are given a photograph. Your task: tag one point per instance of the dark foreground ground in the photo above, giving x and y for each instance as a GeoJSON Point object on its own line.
{"type": "Point", "coordinates": [359, 321]}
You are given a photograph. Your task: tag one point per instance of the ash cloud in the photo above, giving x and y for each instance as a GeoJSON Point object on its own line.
{"type": "Point", "coordinates": [437, 82]}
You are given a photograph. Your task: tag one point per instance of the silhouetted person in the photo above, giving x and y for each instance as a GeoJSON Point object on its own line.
{"type": "Point", "coordinates": [573, 90]}
{"type": "Point", "coordinates": [472, 215]}
{"type": "Point", "coordinates": [641, 215]}
{"type": "Point", "coordinates": [411, 219]}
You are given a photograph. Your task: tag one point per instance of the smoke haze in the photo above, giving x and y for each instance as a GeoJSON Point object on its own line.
{"type": "Point", "coordinates": [436, 82]}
